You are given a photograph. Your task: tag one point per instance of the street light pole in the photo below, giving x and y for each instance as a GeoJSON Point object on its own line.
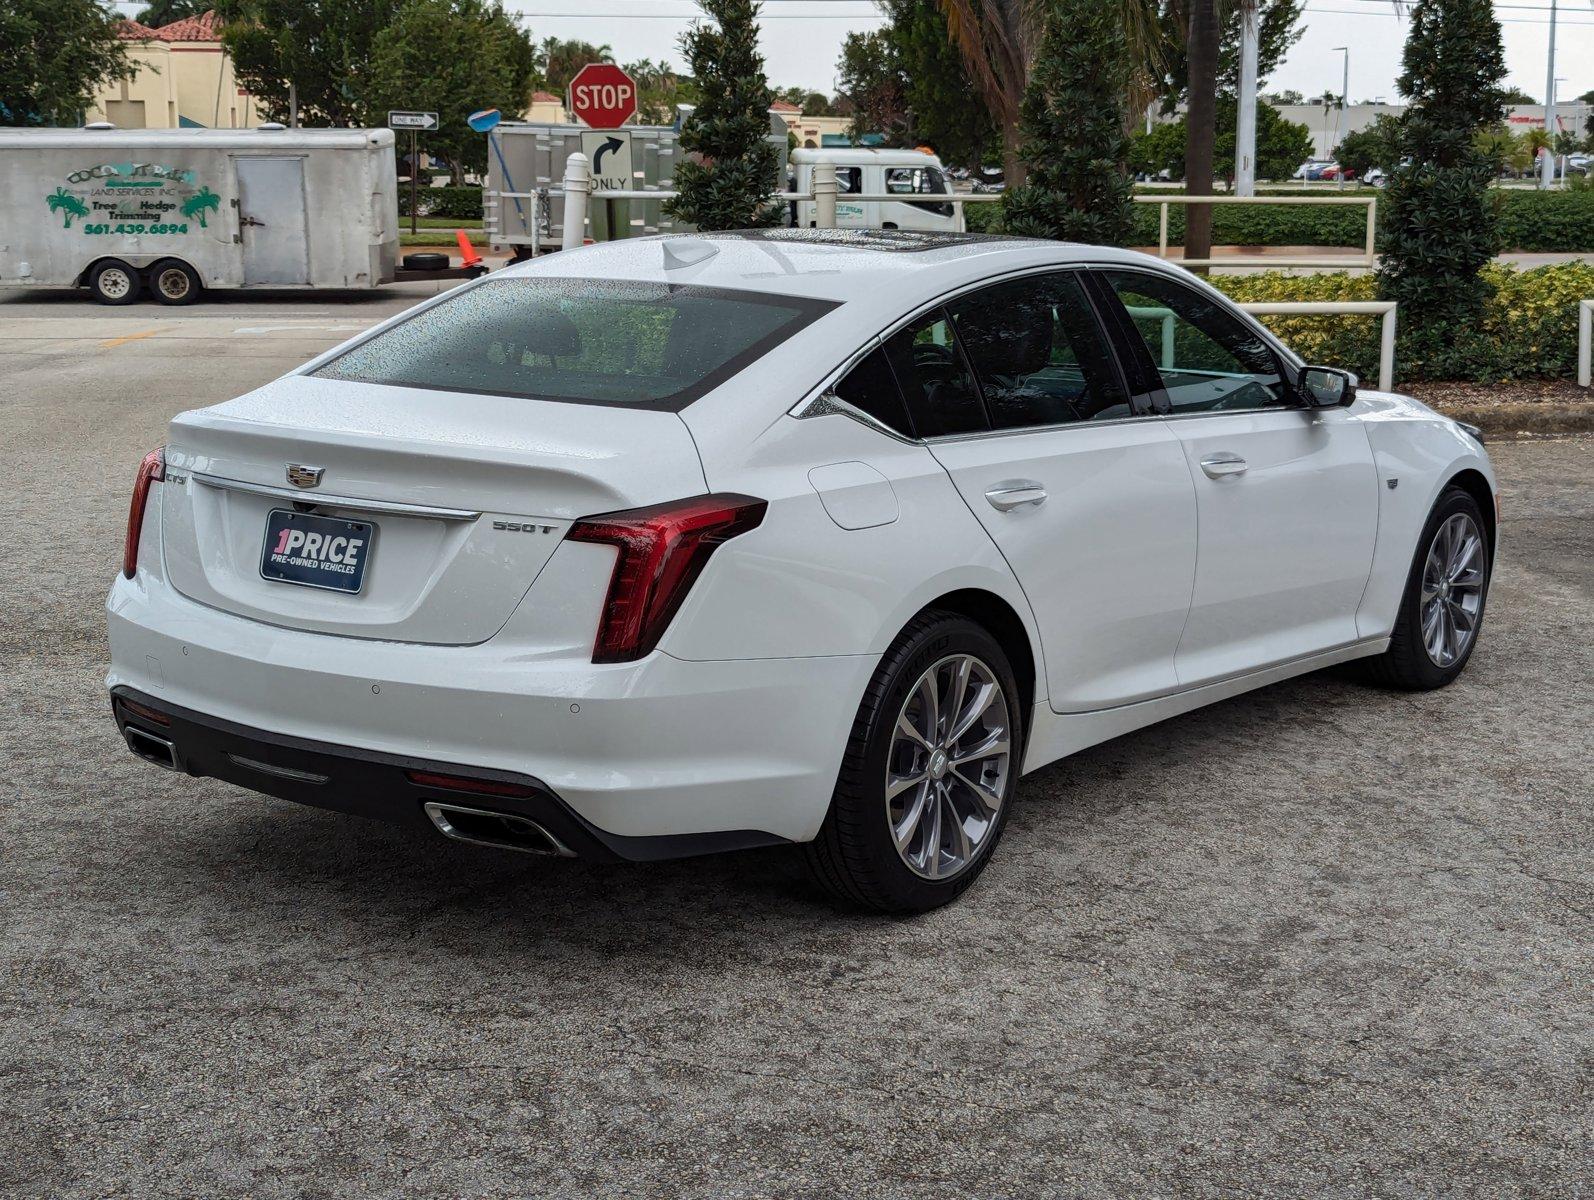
{"type": "Point", "coordinates": [1245, 129]}
{"type": "Point", "coordinates": [1344, 96]}
{"type": "Point", "coordinates": [1547, 168]}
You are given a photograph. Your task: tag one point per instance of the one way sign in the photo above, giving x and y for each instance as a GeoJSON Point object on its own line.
{"type": "Point", "coordinates": [609, 152]}
{"type": "Point", "coordinates": [412, 120]}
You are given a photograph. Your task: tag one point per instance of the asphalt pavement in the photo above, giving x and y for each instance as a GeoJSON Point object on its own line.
{"type": "Point", "coordinates": [1320, 940]}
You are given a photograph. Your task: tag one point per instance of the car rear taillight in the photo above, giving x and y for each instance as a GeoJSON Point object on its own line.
{"type": "Point", "coordinates": [663, 549]}
{"type": "Point", "coordinates": [468, 783]}
{"type": "Point", "coordinates": [151, 470]}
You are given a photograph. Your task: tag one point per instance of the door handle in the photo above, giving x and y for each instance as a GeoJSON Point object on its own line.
{"type": "Point", "coordinates": [1015, 493]}
{"type": "Point", "coordinates": [251, 221]}
{"type": "Point", "coordinates": [1220, 465]}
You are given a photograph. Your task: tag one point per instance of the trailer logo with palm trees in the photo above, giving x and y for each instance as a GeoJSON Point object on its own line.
{"type": "Point", "coordinates": [132, 198]}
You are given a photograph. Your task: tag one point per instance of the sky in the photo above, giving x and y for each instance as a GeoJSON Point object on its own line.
{"type": "Point", "coordinates": [802, 39]}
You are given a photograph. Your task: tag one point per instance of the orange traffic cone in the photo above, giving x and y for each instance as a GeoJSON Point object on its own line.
{"type": "Point", "coordinates": [467, 252]}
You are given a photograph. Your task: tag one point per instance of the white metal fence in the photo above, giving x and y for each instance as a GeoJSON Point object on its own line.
{"type": "Point", "coordinates": [578, 189]}
{"type": "Point", "coordinates": [1363, 261]}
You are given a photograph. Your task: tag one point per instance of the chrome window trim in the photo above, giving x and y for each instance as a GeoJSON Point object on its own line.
{"type": "Point", "coordinates": [320, 500]}
{"type": "Point", "coordinates": [808, 406]}
{"type": "Point", "coordinates": [802, 407]}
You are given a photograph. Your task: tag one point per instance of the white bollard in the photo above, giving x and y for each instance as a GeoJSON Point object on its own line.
{"type": "Point", "coordinates": [824, 188]}
{"type": "Point", "coordinates": [577, 186]}
{"type": "Point", "coordinates": [1585, 343]}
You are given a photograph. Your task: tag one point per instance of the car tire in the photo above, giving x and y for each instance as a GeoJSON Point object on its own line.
{"type": "Point", "coordinates": [114, 282]}
{"type": "Point", "coordinates": [1441, 611]}
{"type": "Point", "coordinates": [961, 811]}
{"type": "Point", "coordinates": [174, 282]}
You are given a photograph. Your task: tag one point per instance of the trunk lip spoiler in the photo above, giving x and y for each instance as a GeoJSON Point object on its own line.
{"type": "Point", "coordinates": [327, 500]}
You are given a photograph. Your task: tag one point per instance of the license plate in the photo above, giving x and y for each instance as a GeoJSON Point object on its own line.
{"type": "Point", "coordinates": [312, 551]}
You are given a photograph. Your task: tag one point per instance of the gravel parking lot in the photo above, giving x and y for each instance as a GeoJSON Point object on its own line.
{"type": "Point", "coordinates": [1319, 940]}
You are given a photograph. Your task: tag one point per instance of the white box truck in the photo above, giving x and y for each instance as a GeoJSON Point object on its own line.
{"type": "Point", "coordinates": [915, 176]}
{"type": "Point", "coordinates": [169, 212]}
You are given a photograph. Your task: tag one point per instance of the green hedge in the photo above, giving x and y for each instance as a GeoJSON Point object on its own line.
{"type": "Point", "coordinates": [452, 203]}
{"type": "Point", "coordinates": [1537, 222]}
{"type": "Point", "coordinates": [1528, 331]}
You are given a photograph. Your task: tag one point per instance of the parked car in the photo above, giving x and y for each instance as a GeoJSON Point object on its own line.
{"type": "Point", "coordinates": [1312, 168]}
{"type": "Point", "coordinates": [1375, 177]}
{"type": "Point", "coordinates": [990, 179]}
{"type": "Point", "coordinates": [681, 544]}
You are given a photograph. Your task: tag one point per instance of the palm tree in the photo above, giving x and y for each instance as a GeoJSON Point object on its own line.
{"type": "Point", "coordinates": [62, 200]}
{"type": "Point", "coordinates": [201, 200]}
{"type": "Point", "coordinates": [998, 38]}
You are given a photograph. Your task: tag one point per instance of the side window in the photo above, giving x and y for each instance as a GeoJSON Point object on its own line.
{"type": "Point", "coordinates": [935, 380]}
{"type": "Point", "coordinates": [1040, 356]}
{"type": "Point", "coordinates": [919, 181]}
{"type": "Point", "coordinates": [849, 180]}
{"type": "Point", "coordinates": [1209, 361]}
{"type": "Point", "coordinates": [871, 387]}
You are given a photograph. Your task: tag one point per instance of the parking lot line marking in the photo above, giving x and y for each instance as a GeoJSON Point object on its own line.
{"type": "Point", "coordinates": [112, 343]}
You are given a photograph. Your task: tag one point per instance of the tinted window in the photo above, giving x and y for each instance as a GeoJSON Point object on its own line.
{"type": "Point", "coordinates": [1039, 354]}
{"type": "Point", "coordinates": [934, 378]}
{"type": "Point", "coordinates": [580, 340]}
{"type": "Point", "coordinates": [871, 387]}
{"type": "Point", "coordinates": [1208, 359]}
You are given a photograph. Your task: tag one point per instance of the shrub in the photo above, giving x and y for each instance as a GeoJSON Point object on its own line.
{"type": "Point", "coordinates": [1530, 222]}
{"type": "Point", "coordinates": [449, 203]}
{"type": "Point", "coordinates": [1527, 330]}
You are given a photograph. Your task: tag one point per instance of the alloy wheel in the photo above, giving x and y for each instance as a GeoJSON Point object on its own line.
{"type": "Point", "coordinates": [947, 770]}
{"type": "Point", "coordinates": [1452, 589]}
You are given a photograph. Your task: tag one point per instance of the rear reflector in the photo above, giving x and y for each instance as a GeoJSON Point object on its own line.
{"type": "Point", "coordinates": [151, 470]}
{"type": "Point", "coordinates": [464, 783]}
{"type": "Point", "coordinates": [139, 710]}
{"type": "Point", "coordinates": [663, 550]}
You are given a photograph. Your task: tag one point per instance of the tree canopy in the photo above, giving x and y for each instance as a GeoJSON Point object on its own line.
{"type": "Point", "coordinates": [1072, 122]}
{"type": "Point", "coordinates": [1440, 228]}
{"type": "Point", "coordinates": [727, 181]}
{"type": "Point", "coordinates": [57, 55]}
{"type": "Point", "coordinates": [452, 57]}
{"type": "Point", "coordinates": [163, 12]}
{"type": "Point", "coordinates": [325, 47]}
{"type": "Point", "coordinates": [561, 60]}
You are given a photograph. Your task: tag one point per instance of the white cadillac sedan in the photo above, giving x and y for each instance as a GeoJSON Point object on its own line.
{"type": "Point", "coordinates": [677, 545]}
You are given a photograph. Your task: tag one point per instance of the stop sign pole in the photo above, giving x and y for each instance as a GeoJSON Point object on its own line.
{"type": "Point", "coordinates": [602, 96]}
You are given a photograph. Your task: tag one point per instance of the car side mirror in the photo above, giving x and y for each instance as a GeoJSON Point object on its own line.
{"type": "Point", "coordinates": [1326, 387]}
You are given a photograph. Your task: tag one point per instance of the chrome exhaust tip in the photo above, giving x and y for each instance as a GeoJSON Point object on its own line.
{"type": "Point", "coordinates": [501, 830]}
{"type": "Point", "coordinates": [151, 747]}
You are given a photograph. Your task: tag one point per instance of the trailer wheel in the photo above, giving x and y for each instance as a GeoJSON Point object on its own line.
{"type": "Point", "coordinates": [174, 282]}
{"type": "Point", "coordinates": [114, 282]}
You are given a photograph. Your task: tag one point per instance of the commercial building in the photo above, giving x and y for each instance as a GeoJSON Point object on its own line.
{"type": "Point", "coordinates": [184, 80]}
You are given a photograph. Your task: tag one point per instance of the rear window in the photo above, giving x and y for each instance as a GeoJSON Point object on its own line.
{"type": "Point", "coordinates": [647, 345]}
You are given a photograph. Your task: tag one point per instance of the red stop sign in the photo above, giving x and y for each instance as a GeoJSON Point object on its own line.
{"type": "Point", "coordinates": [602, 96]}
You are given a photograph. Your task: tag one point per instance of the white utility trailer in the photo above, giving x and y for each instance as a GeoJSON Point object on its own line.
{"type": "Point", "coordinates": [869, 184]}
{"type": "Point", "coordinates": [174, 211]}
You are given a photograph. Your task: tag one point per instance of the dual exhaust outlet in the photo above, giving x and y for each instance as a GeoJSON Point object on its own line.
{"type": "Point", "coordinates": [463, 823]}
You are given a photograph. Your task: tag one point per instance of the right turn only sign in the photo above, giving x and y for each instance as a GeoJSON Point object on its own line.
{"type": "Point", "coordinates": [609, 152]}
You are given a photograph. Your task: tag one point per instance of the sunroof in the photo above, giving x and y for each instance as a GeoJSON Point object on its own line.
{"type": "Point", "coordinates": [861, 239]}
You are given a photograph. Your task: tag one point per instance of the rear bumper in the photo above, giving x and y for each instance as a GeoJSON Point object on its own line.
{"type": "Point", "coordinates": [386, 787]}
{"type": "Point", "coordinates": [659, 748]}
